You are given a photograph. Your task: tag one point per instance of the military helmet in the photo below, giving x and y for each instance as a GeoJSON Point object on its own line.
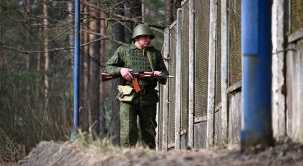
{"type": "Point", "coordinates": [142, 29]}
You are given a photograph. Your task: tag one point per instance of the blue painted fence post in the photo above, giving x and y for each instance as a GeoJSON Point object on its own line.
{"type": "Point", "coordinates": [256, 74]}
{"type": "Point", "coordinates": [76, 67]}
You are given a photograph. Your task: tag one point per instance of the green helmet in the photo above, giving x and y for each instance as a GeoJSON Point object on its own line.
{"type": "Point", "coordinates": [142, 29]}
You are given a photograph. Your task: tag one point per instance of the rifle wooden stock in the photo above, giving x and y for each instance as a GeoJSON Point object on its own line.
{"type": "Point", "coordinates": [106, 77]}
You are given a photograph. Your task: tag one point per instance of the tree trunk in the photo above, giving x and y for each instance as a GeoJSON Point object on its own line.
{"type": "Point", "coordinates": [30, 86]}
{"type": "Point", "coordinates": [28, 36]}
{"type": "Point", "coordinates": [168, 12]}
{"type": "Point", "coordinates": [133, 10]}
{"type": "Point", "coordinates": [38, 75]}
{"type": "Point", "coordinates": [1, 52]}
{"type": "Point", "coordinates": [117, 34]}
{"type": "Point", "coordinates": [70, 22]}
{"type": "Point", "coordinates": [128, 25]}
{"type": "Point", "coordinates": [86, 77]}
{"type": "Point", "coordinates": [46, 53]}
{"type": "Point", "coordinates": [102, 118]}
{"type": "Point", "coordinates": [94, 52]}
{"type": "Point", "coordinates": [46, 64]}
{"type": "Point", "coordinates": [143, 12]}
{"type": "Point", "coordinates": [71, 36]}
{"type": "Point", "coordinates": [177, 4]}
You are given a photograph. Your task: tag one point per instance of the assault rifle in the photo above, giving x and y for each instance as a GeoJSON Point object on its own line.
{"type": "Point", "coordinates": [136, 75]}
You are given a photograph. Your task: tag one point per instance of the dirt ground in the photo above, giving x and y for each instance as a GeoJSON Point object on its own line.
{"type": "Point", "coordinates": [54, 154]}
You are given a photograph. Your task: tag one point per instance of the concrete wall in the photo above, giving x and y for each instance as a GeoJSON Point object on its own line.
{"type": "Point", "coordinates": [294, 88]}
{"type": "Point", "coordinates": [200, 134]}
{"type": "Point", "coordinates": [287, 68]}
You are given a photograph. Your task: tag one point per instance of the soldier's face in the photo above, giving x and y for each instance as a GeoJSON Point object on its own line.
{"type": "Point", "coordinates": [144, 41]}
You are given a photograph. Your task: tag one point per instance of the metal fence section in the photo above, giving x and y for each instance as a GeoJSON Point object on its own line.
{"type": "Point", "coordinates": [201, 58]}
{"type": "Point", "coordinates": [235, 58]}
{"type": "Point", "coordinates": [196, 126]}
{"type": "Point", "coordinates": [296, 16]}
{"type": "Point", "coordinates": [185, 72]}
{"type": "Point", "coordinates": [201, 87]}
{"type": "Point", "coordinates": [218, 57]}
{"type": "Point", "coordinates": [172, 84]}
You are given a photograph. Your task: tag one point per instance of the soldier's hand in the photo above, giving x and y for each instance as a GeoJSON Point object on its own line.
{"type": "Point", "coordinates": [125, 72]}
{"type": "Point", "coordinates": [158, 73]}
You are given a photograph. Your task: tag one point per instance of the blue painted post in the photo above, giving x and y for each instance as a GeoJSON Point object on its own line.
{"type": "Point", "coordinates": [76, 67]}
{"type": "Point", "coordinates": [256, 74]}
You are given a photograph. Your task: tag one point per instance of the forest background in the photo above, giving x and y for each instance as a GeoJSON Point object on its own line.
{"type": "Point", "coordinates": [36, 64]}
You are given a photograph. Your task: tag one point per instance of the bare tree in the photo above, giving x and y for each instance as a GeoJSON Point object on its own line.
{"type": "Point", "coordinates": [45, 115]}
{"type": "Point", "coordinates": [86, 65]}
{"type": "Point", "coordinates": [177, 4]}
{"type": "Point", "coordinates": [1, 52]}
{"type": "Point", "coordinates": [38, 70]}
{"type": "Point", "coordinates": [71, 37]}
{"type": "Point", "coordinates": [143, 11]}
{"type": "Point", "coordinates": [70, 9]}
{"type": "Point", "coordinates": [94, 52]}
{"type": "Point", "coordinates": [132, 10]}
{"type": "Point", "coordinates": [168, 12]}
{"type": "Point", "coordinates": [118, 35]}
{"type": "Point", "coordinates": [28, 37]}
{"type": "Point", "coordinates": [48, 25]}
{"type": "Point", "coordinates": [102, 57]}
{"type": "Point", "coordinates": [46, 51]}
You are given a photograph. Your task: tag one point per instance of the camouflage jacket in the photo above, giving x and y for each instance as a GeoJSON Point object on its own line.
{"type": "Point", "coordinates": [132, 57]}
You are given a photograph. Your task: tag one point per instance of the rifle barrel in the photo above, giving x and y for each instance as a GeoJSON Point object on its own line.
{"type": "Point", "coordinates": [169, 76]}
{"type": "Point", "coordinates": [151, 76]}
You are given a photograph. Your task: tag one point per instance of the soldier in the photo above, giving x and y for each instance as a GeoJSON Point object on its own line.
{"type": "Point", "coordinates": [138, 56]}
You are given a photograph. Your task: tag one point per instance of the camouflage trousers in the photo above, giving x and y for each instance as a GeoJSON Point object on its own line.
{"type": "Point", "coordinates": [129, 132]}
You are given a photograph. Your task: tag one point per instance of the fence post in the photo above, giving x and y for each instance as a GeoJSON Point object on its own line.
{"type": "Point", "coordinates": [256, 74]}
{"type": "Point", "coordinates": [211, 74]}
{"type": "Point", "coordinates": [165, 92]}
{"type": "Point", "coordinates": [278, 66]}
{"type": "Point", "coordinates": [191, 44]}
{"type": "Point", "coordinates": [178, 81]}
{"type": "Point", "coordinates": [224, 69]}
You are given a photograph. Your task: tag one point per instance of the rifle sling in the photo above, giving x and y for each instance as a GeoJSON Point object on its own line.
{"type": "Point", "coordinates": [150, 60]}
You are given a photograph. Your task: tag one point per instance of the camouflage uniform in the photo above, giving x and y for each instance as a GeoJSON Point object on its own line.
{"type": "Point", "coordinates": [144, 102]}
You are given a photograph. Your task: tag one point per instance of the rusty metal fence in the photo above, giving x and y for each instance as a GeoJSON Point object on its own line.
{"type": "Point", "coordinates": [185, 71]}
{"type": "Point", "coordinates": [172, 83]}
{"type": "Point", "coordinates": [218, 57]}
{"type": "Point", "coordinates": [217, 29]}
{"type": "Point", "coordinates": [201, 59]}
{"type": "Point", "coordinates": [296, 16]}
{"type": "Point", "coordinates": [235, 68]}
